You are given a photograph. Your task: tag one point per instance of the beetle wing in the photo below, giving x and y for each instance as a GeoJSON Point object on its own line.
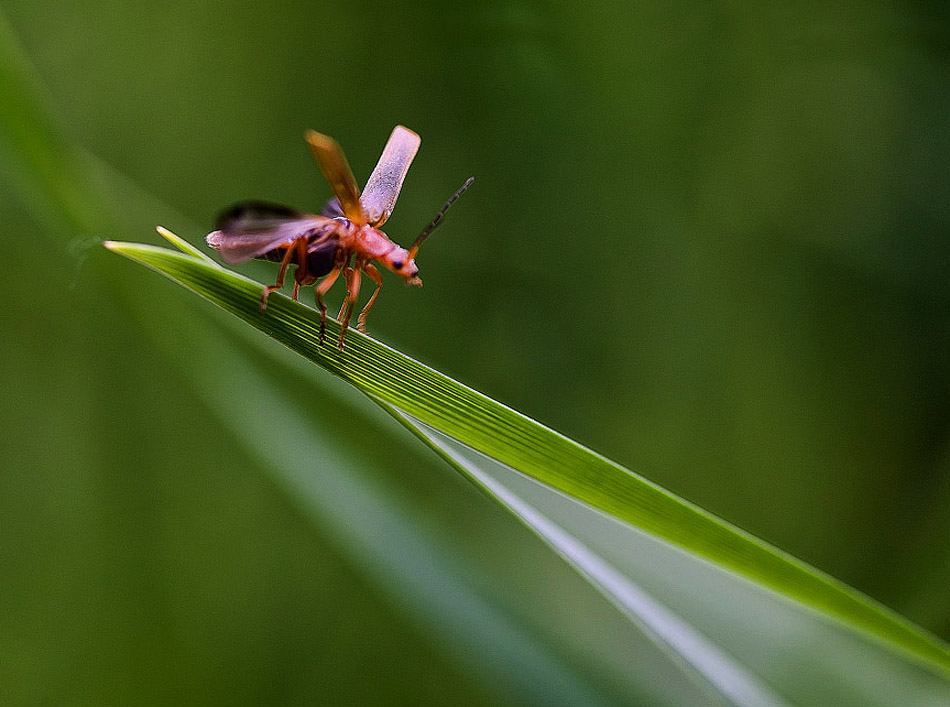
{"type": "Point", "coordinates": [332, 209]}
{"type": "Point", "coordinates": [337, 171]}
{"type": "Point", "coordinates": [252, 228]}
{"type": "Point", "coordinates": [383, 186]}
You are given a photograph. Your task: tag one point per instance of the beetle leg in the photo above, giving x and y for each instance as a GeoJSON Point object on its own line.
{"type": "Point", "coordinates": [288, 256]}
{"type": "Point", "coordinates": [374, 275]}
{"type": "Point", "coordinates": [347, 272]}
{"type": "Point", "coordinates": [353, 292]}
{"type": "Point", "coordinates": [321, 290]}
{"type": "Point", "coordinates": [300, 274]}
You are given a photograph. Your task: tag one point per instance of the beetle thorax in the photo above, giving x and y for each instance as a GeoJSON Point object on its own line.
{"type": "Point", "coordinates": [372, 242]}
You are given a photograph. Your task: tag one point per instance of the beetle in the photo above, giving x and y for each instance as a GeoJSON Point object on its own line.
{"type": "Point", "coordinates": [347, 229]}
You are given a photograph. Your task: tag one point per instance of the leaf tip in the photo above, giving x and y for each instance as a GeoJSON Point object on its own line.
{"type": "Point", "coordinates": [120, 247]}
{"type": "Point", "coordinates": [182, 245]}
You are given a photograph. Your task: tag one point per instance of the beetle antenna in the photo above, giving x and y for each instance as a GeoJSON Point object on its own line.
{"type": "Point", "coordinates": [438, 217]}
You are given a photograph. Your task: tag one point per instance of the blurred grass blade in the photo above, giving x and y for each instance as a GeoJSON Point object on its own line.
{"type": "Point", "coordinates": [39, 163]}
{"type": "Point", "coordinates": [540, 453]}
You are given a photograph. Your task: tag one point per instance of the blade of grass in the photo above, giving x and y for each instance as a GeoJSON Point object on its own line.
{"type": "Point", "coordinates": [712, 666]}
{"type": "Point", "coordinates": [183, 245]}
{"type": "Point", "coordinates": [527, 446]}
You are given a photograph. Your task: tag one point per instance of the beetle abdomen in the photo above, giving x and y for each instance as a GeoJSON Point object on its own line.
{"type": "Point", "coordinates": [322, 259]}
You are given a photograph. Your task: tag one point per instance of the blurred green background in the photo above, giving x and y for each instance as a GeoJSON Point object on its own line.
{"type": "Point", "coordinates": [708, 240]}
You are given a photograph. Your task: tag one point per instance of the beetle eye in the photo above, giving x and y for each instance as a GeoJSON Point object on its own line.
{"type": "Point", "coordinates": [397, 265]}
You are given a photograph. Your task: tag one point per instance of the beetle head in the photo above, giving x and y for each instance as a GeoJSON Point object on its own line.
{"type": "Point", "coordinates": [401, 262]}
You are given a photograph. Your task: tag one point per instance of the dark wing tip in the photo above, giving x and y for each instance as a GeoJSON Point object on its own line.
{"type": "Point", "coordinates": [249, 214]}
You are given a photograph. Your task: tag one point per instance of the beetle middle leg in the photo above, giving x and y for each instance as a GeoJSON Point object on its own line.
{"type": "Point", "coordinates": [352, 293]}
{"type": "Point", "coordinates": [321, 290]}
{"type": "Point", "coordinates": [374, 275]}
{"type": "Point", "coordinates": [347, 272]}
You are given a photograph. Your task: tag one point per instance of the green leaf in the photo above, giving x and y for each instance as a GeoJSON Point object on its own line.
{"type": "Point", "coordinates": [433, 404]}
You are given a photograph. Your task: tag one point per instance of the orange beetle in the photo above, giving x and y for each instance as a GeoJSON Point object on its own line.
{"type": "Point", "coordinates": [346, 228]}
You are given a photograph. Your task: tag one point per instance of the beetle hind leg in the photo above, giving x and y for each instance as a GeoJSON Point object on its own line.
{"type": "Point", "coordinates": [284, 263]}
